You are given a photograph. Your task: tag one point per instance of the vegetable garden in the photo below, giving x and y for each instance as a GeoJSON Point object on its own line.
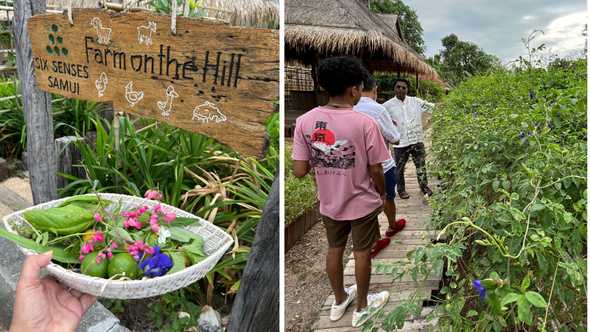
{"type": "Point", "coordinates": [510, 149]}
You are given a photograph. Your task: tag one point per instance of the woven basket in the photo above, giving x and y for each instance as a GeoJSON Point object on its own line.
{"type": "Point", "coordinates": [216, 243]}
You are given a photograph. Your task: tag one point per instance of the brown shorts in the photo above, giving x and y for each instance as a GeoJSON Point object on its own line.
{"type": "Point", "coordinates": [365, 231]}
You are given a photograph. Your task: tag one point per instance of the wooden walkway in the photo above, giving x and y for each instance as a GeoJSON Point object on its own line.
{"type": "Point", "coordinates": [417, 213]}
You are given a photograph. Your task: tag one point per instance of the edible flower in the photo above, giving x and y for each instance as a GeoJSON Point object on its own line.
{"type": "Point", "coordinates": [156, 265]}
{"type": "Point", "coordinates": [153, 194]}
{"type": "Point", "coordinates": [479, 288]}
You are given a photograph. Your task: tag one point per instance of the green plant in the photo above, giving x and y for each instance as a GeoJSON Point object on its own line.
{"type": "Point", "coordinates": [71, 117]}
{"type": "Point", "coordinates": [300, 193]}
{"type": "Point", "coordinates": [194, 173]}
{"type": "Point", "coordinates": [510, 150]}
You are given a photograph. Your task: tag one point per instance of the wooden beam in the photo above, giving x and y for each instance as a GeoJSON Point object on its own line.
{"type": "Point", "coordinates": [37, 108]}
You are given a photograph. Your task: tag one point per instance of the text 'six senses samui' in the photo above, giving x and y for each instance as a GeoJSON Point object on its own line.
{"type": "Point", "coordinates": [213, 68]}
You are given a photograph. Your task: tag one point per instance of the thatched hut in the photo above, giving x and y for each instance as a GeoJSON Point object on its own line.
{"type": "Point", "coordinates": [320, 29]}
{"type": "Point", "coordinates": [252, 13]}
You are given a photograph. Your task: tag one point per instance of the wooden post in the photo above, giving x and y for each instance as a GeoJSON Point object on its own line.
{"type": "Point", "coordinates": [37, 108]}
{"type": "Point", "coordinates": [256, 307]}
{"type": "Point", "coordinates": [68, 156]}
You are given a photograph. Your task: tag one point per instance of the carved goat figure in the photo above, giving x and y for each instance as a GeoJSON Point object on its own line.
{"type": "Point", "coordinates": [103, 34]}
{"type": "Point", "coordinates": [144, 33]}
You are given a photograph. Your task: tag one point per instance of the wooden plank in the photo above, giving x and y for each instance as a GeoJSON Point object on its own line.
{"type": "Point", "coordinates": [37, 108]}
{"type": "Point", "coordinates": [394, 295]}
{"type": "Point", "coordinates": [12, 200]}
{"type": "Point", "coordinates": [211, 78]}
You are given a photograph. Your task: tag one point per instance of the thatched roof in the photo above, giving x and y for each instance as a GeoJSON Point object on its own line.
{"type": "Point", "coordinates": [316, 29]}
{"type": "Point", "coordinates": [252, 13]}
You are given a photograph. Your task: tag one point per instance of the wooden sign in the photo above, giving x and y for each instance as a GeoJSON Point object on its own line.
{"type": "Point", "coordinates": [209, 78]}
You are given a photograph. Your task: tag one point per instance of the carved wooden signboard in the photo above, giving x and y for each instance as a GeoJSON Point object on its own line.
{"type": "Point", "coordinates": [209, 78]}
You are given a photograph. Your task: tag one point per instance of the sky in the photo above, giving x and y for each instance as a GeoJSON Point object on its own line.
{"type": "Point", "coordinates": [499, 26]}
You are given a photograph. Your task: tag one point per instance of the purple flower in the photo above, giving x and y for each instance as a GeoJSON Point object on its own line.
{"type": "Point", "coordinates": [479, 288]}
{"type": "Point", "coordinates": [156, 265]}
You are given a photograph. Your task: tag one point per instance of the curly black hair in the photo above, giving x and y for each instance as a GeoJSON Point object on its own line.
{"type": "Point", "coordinates": [337, 74]}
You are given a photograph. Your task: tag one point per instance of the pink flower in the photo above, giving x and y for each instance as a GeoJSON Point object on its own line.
{"type": "Point", "coordinates": [153, 194]}
{"type": "Point", "coordinates": [81, 258]}
{"type": "Point", "coordinates": [109, 254]}
{"type": "Point", "coordinates": [155, 227]}
{"type": "Point", "coordinates": [98, 237]}
{"type": "Point", "coordinates": [149, 250]}
{"type": "Point", "coordinates": [100, 257]}
{"type": "Point", "coordinates": [132, 222]}
{"type": "Point", "coordinates": [157, 208]}
{"type": "Point", "coordinates": [129, 214]}
{"type": "Point", "coordinates": [87, 248]}
{"type": "Point", "coordinates": [97, 217]}
{"type": "Point", "coordinates": [114, 245]}
{"type": "Point", "coordinates": [142, 209]}
{"type": "Point", "coordinates": [169, 217]}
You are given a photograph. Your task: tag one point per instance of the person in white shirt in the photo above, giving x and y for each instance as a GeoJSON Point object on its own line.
{"type": "Point", "coordinates": [406, 112]}
{"type": "Point", "coordinates": [367, 105]}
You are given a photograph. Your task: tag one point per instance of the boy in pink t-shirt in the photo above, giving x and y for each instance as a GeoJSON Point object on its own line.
{"type": "Point", "coordinates": [345, 149]}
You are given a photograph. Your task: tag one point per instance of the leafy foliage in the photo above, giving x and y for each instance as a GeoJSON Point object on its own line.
{"type": "Point", "coordinates": [511, 152]}
{"type": "Point", "coordinates": [300, 194]}
{"type": "Point", "coordinates": [71, 117]}
{"type": "Point", "coordinates": [459, 60]}
{"type": "Point", "coordinates": [409, 23]}
{"type": "Point", "coordinates": [193, 173]}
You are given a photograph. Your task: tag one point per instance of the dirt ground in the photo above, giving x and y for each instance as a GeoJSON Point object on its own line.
{"type": "Point", "coordinates": [306, 282]}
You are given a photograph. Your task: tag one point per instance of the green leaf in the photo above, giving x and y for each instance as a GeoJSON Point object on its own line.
{"type": "Point", "coordinates": [536, 299]}
{"type": "Point", "coordinates": [59, 254]}
{"type": "Point", "coordinates": [120, 233]}
{"type": "Point", "coordinates": [182, 221]}
{"type": "Point", "coordinates": [234, 288]}
{"type": "Point", "coordinates": [472, 313]}
{"type": "Point", "coordinates": [526, 282]}
{"type": "Point", "coordinates": [178, 262]}
{"type": "Point", "coordinates": [524, 311]}
{"type": "Point", "coordinates": [510, 297]}
{"type": "Point", "coordinates": [183, 235]}
{"type": "Point", "coordinates": [194, 251]}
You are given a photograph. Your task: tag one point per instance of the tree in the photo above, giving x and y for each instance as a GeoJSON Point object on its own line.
{"type": "Point", "coordinates": [410, 26]}
{"type": "Point", "coordinates": [459, 60]}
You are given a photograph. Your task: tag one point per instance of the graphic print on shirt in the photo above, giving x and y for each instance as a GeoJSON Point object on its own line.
{"type": "Point", "coordinates": [327, 151]}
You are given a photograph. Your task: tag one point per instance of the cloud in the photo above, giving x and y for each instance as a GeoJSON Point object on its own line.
{"type": "Point", "coordinates": [498, 26]}
{"type": "Point", "coordinates": [564, 34]}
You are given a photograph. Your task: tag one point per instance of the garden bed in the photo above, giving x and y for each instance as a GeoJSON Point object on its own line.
{"type": "Point", "coordinates": [295, 230]}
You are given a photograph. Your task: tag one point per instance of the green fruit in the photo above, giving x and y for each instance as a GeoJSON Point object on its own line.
{"type": "Point", "coordinates": [123, 264]}
{"type": "Point", "coordinates": [91, 268]}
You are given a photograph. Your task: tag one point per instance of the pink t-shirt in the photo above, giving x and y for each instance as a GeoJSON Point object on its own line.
{"type": "Point", "coordinates": [341, 144]}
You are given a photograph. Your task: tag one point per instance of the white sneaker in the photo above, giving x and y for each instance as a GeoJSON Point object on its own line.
{"type": "Point", "coordinates": [375, 302]}
{"type": "Point", "coordinates": [338, 310]}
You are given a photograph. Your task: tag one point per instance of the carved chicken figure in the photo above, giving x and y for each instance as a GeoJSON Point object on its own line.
{"type": "Point", "coordinates": [133, 97]}
{"type": "Point", "coordinates": [101, 84]}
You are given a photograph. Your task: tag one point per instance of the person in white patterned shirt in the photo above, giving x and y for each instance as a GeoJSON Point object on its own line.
{"type": "Point", "coordinates": [406, 112]}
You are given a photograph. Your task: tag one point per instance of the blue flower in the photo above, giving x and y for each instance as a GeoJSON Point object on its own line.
{"type": "Point", "coordinates": [479, 288]}
{"type": "Point", "coordinates": [474, 114]}
{"type": "Point", "coordinates": [156, 265]}
{"type": "Point", "coordinates": [521, 135]}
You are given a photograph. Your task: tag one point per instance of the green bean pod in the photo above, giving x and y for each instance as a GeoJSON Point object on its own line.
{"type": "Point", "coordinates": [69, 219]}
